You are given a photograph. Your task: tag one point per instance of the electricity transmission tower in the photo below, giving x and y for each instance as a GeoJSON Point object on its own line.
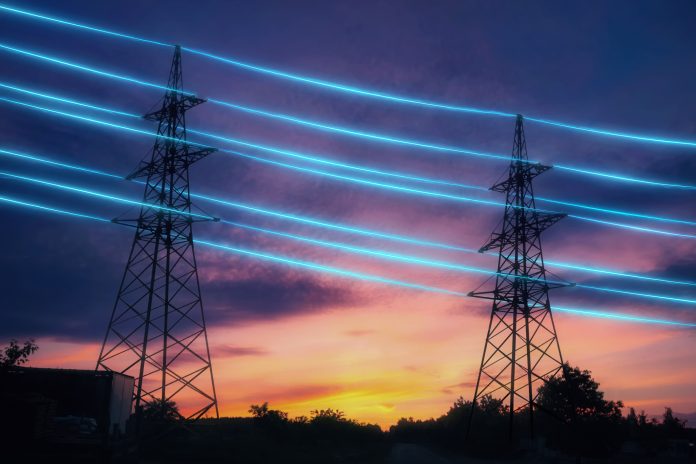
{"type": "Point", "coordinates": [157, 330]}
{"type": "Point", "coordinates": [521, 350]}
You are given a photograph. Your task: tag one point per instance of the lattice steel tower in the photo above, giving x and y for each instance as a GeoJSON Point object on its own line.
{"type": "Point", "coordinates": [521, 349]}
{"type": "Point", "coordinates": [157, 330]}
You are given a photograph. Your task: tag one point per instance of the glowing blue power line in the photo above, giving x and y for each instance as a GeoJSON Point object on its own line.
{"type": "Point", "coordinates": [429, 193]}
{"type": "Point", "coordinates": [638, 294]}
{"type": "Point", "coordinates": [622, 178]}
{"type": "Point", "coordinates": [336, 245]}
{"type": "Point", "coordinates": [27, 204]}
{"type": "Point", "coordinates": [615, 211]}
{"type": "Point", "coordinates": [78, 25]}
{"type": "Point", "coordinates": [335, 86]}
{"type": "Point", "coordinates": [458, 150]}
{"type": "Point", "coordinates": [263, 211]}
{"type": "Point", "coordinates": [39, 159]}
{"type": "Point", "coordinates": [328, 269]}
{"type": "Point", "coordinates": [326, 244]}
{"type": "Point", "coordinates": [92, 193]}
{"type": "Point", "coordinates": [631, 227]}
{"type": "Point", "coordinates": [357, 133]}
{"type": "Point", "coordinates": [440, 264]}
{"type": "Point", "coordinates": [64, 100]}
{"type": "Point", "coordinates": [382, 254]}
{"type": "Point", "coordinates": [381, 185]}
{"type": "Point", "coordinates": [330, 162]}
{"type": "Point", "coordinates": [88, 69]}
{"type": "Point", "coordinates": [615, 273]}
{"type": "Point", "coordinates": [351, 274]}
{"type": "Point", "coordinates": [253, 145]}
{"type": "Point", "coordinates": [621, 317]}
{"type": "Point", "coordinates": [348, 229]}
{"type": "Point", "coordinates": [623, 135]}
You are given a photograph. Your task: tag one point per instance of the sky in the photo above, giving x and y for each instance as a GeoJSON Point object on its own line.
{"type": "Point", "coordinates": [305, 340]}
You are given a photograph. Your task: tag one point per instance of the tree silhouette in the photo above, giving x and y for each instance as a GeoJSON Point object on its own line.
{"type": "Point", "coordinates": [576, 395]}
{"type": "Point", "coordinates": [593, 425]}
{"type": "Point", "coordinates": [15, 355]}
{"type": "Point", "coordinates": [263, 412]}
{"type": "Point", "coordinates": [672, 424]}
{"type": "Point", "coordinates": [158, 410]}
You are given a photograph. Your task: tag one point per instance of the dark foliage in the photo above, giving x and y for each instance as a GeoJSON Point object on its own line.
{"type": "Point", "coordinates": [15, 355]}
{"type": "Point", "coordinates": [578, 419]}
{"type": "Point", "coordinates": [271, 436]}
{"type": "Point", "coordinates": [158, 410]}
{"type": "Point", "coordinates": [572, 417]}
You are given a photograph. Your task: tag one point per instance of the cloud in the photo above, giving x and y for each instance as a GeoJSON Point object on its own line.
{"type": "Point", "coordinates": [235, 351]}
{"type": "Point", "coordinates": [262, 298]}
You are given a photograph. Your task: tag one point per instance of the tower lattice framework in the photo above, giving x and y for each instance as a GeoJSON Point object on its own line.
{"type": "Point", "coordinates": [521, 350]}
{"type": "Point", "coordinates": [157, 331]}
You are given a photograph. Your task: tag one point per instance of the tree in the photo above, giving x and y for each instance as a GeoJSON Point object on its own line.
{"type": "Point", "coordinates": [263, 412]}
{"type": "Point", "coordinates": [328, 415]}
{"type": "Point", "coordinates": [157, 410]}
{"type": "Point", "coordinates": [670, 423]}
{"type": "Point", "coordinates": [576, 395]}
{"type": "Point", "coordinates": [593, 423]}
{"type": "Point", "coordinates": [15, 355]}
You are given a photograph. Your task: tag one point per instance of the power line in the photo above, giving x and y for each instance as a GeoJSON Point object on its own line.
{"type": "Point", "coordinates": [343, 227]}
{"type": "Point", "coordinates": [326, 244]}
{"type": "Point", "coordinates": [363, 169]}
{"type": "Point", "coordinates": [359, 276]}
{"type": "Point", "coordinates": [354, 90]}
{"type": "Point", "coordinates": [356, 180]}
{"type": "Point", "coordinates": [456, 150]}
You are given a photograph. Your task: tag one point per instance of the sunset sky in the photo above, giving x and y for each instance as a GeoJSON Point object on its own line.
{"type": "Point", "coordinates": [304, 340]}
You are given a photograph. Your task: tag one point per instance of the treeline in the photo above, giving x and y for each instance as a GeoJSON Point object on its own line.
{"type": "Point", "coordinates": [572, 417]}
{"type": "Point", "coordinates": [269, 435]}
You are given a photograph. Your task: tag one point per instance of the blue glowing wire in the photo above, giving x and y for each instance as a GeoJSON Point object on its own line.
{"type": "Point", "coordinates": [452, 197]}
{"type": "Point", "coordinates": [439, 264]}
{"type": "Point", "coordinates": [348, 88]}
{"type": "Point", "coordinates": [615, 273]}
{"type": "Point", "coordinates": [78, 25]}
{"type": "Point", "coordinates": [615, 211]}
{"type": "Point", "coordinates": [381, 185]}
{"type": "Point", "coordinates": [352, 249]}
{"type": "Point", "coordinates": [352, 274]}
{"type": "Point", "coordinates": [420, 242]}
{"type": "Point", "coordinates": [621, 317]}
{"type": "Point", "coordinates": [631, 227]}
{"type": "Point", "coordinates": [81, 67]}
{"type": "Point", "coordinates": [92, 193]}
{"type": "Point", "coordinates": [382, 254]}
{"type": "Point", "coordinates": [369, 277]}
{"type": "Point", "coordinates": [254, 145]}
{"type": "Point", "coordinates": [38, 159]}
{"type": "Point", "coordinates": [638, 294]}
{"type": "Point", "coordinates": [623, 135]}
{"type": "Point", "coordinates": [267, 212]}
{"type": "Point", "coordinates": [348, 131]}
{"type": "Point", "coordinates": [65, 100]}
{"type": "Point", "coordinates": [357, 133]}
{"type": "Point", "coordinates": [50, 209]}
{"type": "Point", "coordinates": [328, 269]}
{"type": "Point", "coordinates": [325, 161]}
{"type": "Point", "coordinates": [329, 162]}
{"type": "Point", "coordinates": [622, 178]}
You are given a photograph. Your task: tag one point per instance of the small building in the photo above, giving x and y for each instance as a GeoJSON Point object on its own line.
{"type": "Point", "coordinates": [44, 410]}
